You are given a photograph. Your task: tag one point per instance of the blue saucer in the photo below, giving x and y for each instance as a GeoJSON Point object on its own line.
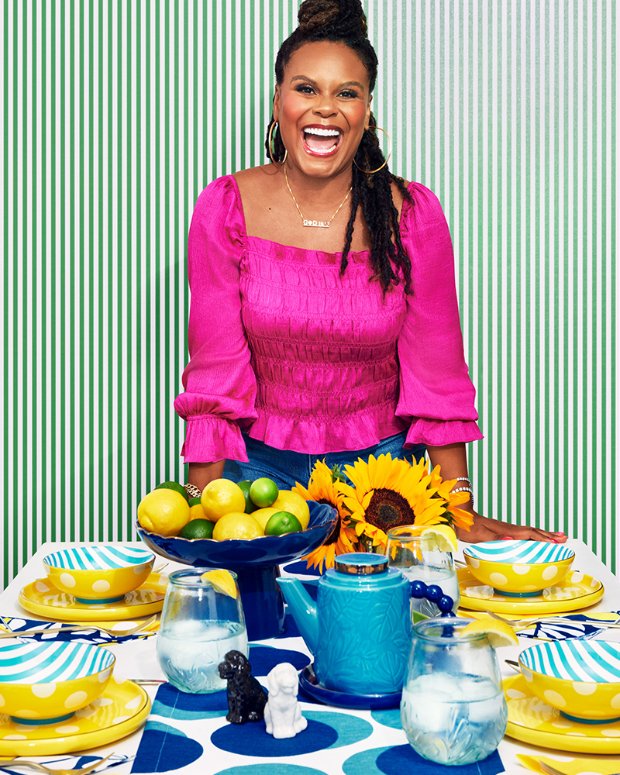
{"type": "Point", "coordinates": [309, 684]}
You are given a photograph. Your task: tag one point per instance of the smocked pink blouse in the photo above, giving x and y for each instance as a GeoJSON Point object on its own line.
{"type": "Point", "coordinates": [285, 349]}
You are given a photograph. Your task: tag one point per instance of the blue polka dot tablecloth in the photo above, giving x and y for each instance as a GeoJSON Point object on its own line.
{"type": "Point", "coordinates": [188, 733]}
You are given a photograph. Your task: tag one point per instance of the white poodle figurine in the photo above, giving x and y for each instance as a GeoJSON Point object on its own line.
{"type": "Point", "coordinates": [282, 712]}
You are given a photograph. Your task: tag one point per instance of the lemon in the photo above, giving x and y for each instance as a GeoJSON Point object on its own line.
{"type": "Point", "coordinates": [222, 581]}
{"type": "Point", "coordinates": [236, 525]}
{"type": "Point", "coordinates": [498, 633]}
{"type": "Point", "coordinates": [221, 496]}
{"type": "Point", "coordinates": [195, 509]}
{"type": "Point", "coordinates": [176, 486]}
{"type": "Point", "coordinates": [294, 504]}
{"type": "Point", "coordinates": [262, 516]}
{"type": "Point", "coordinates": [163, 511]}
{"type": "Point", "coordinates": [440, 538]}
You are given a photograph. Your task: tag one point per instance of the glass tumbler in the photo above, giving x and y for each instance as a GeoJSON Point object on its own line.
{"type": "Point", "coordinates": [199, 625]}
{"type": "Point", "coordinates": [453, 709]}
{"type": "Point", "coordinates": [406, 551]}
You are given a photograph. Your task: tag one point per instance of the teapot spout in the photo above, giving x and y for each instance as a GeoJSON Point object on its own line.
{"type": "Point", "coordinates": [303, 609]}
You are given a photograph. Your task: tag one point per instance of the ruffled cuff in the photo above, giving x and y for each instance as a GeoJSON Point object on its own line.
{"type": "Point", "coordinates": [209, 438]}
{"type": "Point", "coordinates": [439, 433]}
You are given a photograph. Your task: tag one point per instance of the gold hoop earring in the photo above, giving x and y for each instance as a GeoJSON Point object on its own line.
{"type": "Point", "coordinates": [270, 144]}
{"type": "Point", "coordinates": [387, 158]}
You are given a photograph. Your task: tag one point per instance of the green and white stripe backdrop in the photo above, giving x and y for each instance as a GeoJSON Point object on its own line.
{"type": "Point", "coordinates": [116, 114]}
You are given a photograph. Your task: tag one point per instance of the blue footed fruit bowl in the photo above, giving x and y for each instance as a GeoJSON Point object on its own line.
{"type": "Point", "coordinates": [254, 561]}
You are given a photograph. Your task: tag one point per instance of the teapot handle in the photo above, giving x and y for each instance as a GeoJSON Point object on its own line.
{"type": "Point", "coordinates": [434, 593]}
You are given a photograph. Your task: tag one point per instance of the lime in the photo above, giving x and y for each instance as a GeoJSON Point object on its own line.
{"type": "Point", "coordinates": [221, 496]}
{"type": "Point", "coordinates": [195, 502]}
{"type": "Point", "coordinates": [173, 486]}
{"type": "Point", "coordinates": [293, 502]}
{"type": "Point", "coordinates": [282, 522]}
{"type": "Point", "coordinates": [245, 485]}
{"type": "Point", "coordinates": [163, 511]}
{"type": "Point", "coordinates": [263, 492]}
{"type": "Point", "coordinates": [198, 528]}
{"type": "Point", "coordinates": [236, 525]}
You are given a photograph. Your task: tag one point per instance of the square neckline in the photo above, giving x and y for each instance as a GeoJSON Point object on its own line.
{"type": "Point", "coordinates": [239, 199]}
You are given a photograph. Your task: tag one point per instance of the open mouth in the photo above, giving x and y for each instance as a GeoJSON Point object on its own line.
{"type": "Point", "coordinates": [321, 141]}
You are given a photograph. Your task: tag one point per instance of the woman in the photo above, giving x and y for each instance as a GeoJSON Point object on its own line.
{"type": "Point", "coordinates": [324, 319]}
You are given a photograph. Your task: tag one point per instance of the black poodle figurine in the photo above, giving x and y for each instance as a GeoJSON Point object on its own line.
{"type": "Point", "coordinates": [246, 697]}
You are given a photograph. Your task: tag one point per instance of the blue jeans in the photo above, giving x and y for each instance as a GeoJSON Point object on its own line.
{"type": "Point", "coordinates": [286, 467]}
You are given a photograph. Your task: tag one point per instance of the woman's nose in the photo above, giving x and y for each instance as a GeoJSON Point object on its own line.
{"type": "Point", "coordinates": [325, 106]}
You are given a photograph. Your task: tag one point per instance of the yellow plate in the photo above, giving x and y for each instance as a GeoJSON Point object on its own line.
{"type": "Point", "coordinates": [41, 598]}
{"type": "Point", "coordinates": [533, 721]}
{"type": "Point", "coordinates": [121, 709]}
{"type": "Point", "coordinates": [577, 590]}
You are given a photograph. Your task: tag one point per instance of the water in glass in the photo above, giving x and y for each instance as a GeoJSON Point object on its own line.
{"type": "Point", "coordinates": [453, 710]}
{"type": "Point", "coordinates": [199, 626]}
{"type": "Point", "coordinates": [406, 552]}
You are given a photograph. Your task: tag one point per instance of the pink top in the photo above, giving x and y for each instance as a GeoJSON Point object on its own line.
{"type": "Point", "coordinates": [284, 348]}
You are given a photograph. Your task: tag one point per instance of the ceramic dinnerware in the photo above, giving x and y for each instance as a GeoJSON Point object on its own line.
{"type": "Point", "coordinates": [580, 678]}
{"type": "Point", "coordinates": [519, 567]}
{"type": "Point", "coordinates": [101, 573]}
{"type": "Point", "coordinates": [46, 682]}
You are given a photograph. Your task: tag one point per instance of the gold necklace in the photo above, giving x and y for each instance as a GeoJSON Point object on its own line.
{"type": "Point", "coordinates": [307, 221]}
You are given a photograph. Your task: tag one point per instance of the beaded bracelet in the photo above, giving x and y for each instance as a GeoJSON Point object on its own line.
{"type": "Point", "coordinates": [464, 489]}
{"type": "Point", "coordinates": [463, 479]}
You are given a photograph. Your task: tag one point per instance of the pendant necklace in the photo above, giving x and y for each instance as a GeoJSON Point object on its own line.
{"type": "Point", "coordinates": [308, 221]}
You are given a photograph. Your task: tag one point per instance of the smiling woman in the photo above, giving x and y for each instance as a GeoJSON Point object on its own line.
{"type": "Point", "coordinates": [324, 321]}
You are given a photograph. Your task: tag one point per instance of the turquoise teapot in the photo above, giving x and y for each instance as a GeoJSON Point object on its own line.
{"type": "Point", "coordinates": [359, 630]}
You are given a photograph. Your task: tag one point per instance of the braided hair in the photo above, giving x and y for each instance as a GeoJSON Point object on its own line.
{"type": "Point", "coordinates": [344, 21]}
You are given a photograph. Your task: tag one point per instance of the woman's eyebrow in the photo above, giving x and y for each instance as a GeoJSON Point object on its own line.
{"type": "Point", "coordinates": [313, 82]}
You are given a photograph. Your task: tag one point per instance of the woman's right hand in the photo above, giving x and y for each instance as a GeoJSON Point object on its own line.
{"type": "Point", "coordinates": [487, 529]}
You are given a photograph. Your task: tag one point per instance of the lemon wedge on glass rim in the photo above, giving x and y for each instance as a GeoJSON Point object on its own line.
{"type": "Point", "coordinates": [439, 538]}
{"type": "Point", "coordinates": [221, 580]}
{"type": "Point", "coordinates": [497, 633]}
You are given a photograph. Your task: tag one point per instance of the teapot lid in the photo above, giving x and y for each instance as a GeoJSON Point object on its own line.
{"type": "Point", "coordinates": [361, 563]}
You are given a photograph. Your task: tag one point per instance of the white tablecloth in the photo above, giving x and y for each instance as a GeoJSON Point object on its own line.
{"type": "Point", "coordinates": [137, 659]}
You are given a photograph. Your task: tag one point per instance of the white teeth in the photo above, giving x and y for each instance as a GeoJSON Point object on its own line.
{"type": "Point", "coordinates": [315, 130]}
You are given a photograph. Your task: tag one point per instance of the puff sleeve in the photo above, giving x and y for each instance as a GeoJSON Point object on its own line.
{"type": "Point", "coordinates": [436, 394]}
{"type": "Point", "coordinates": [220, 386]}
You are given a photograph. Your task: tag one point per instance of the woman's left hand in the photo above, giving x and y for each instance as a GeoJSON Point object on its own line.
{"type": "Point", "coordinates": [486, 529]}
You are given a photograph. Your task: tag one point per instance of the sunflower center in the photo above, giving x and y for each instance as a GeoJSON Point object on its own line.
{"type": "Point", "coordinates": [388, 509]}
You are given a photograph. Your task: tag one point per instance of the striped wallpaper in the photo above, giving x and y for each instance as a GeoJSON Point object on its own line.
{"type": "Point", "coordinates": [116, 114]}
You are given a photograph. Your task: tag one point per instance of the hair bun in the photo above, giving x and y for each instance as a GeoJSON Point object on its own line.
{"type": "Point", "coordinates": [343, 17]}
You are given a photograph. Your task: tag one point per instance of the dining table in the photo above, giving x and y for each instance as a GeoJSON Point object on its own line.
{"type": "Point", "coordinates": [184, 733]}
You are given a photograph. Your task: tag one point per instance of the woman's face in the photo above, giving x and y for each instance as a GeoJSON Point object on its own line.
{"type": "Point", "coordinates": [323, 107]}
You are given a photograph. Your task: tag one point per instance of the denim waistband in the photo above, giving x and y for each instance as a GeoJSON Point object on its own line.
{"type": "Point", "coordinates": [286, 467]}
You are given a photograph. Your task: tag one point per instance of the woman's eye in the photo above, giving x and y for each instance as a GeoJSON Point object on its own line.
{"type": "Point", "coordinates": [348, 94]}
{"type": "Point", "coordinates": [303, 88]}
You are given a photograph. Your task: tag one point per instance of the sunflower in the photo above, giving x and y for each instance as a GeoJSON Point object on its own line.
{"type": "Point", "coordinates": [386, 493]}
{"type": "Point", "coordinates": [342, 539]}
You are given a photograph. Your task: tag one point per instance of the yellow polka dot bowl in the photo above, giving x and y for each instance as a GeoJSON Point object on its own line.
{"type": "Point", "coordinates": [579, 678]}
{"type": "Point", "coordinates": [519, 568]}
{"type": "Point", "coordinates": [44, 683]}
{"type": "Point", "coordinates": [99, 573]}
